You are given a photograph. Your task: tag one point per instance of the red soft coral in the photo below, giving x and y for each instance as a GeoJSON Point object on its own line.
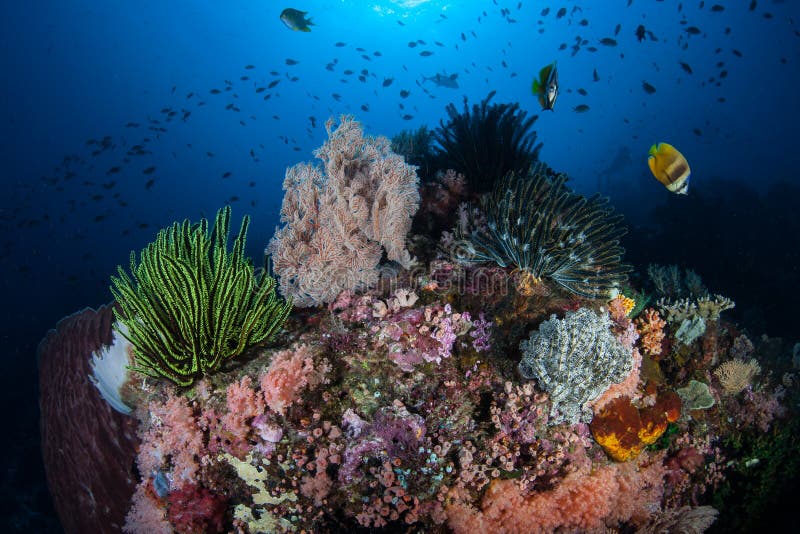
{"type": "Point", "coordinates": [195, 509]}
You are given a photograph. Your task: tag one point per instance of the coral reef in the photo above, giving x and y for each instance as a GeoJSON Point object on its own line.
{"type": "Point", "coordinates": [460, 398]}
{"type": "Point", "coordinates": [339, 219]}
{"type": "Point", "coordinates": [189, 305]}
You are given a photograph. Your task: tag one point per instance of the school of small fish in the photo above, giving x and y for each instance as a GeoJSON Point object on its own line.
{"type": "Point", "coordinates": [114, 170]}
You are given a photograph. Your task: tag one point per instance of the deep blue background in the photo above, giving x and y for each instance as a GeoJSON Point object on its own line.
{"type": "Point", "coordinates": [80, 70]}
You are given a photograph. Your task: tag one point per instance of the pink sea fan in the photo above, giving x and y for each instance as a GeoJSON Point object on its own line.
{"type": "Point", "coordinates": [288, 374]}
{"type": "Point", "coordinates": [340, 218]}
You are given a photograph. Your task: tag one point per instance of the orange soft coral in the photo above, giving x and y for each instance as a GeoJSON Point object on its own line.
{"type": "Point", "coordinates": [651, 332]}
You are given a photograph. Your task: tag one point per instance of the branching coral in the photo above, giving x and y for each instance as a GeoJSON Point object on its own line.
{"type": "Point", "coordinates": [486, 143]}
{"type": "Point", "coordinates": [541, 227]}
{"type": "Point", "coordinates": [339, 219]}
{"type": "Point", "coordinates": [735, 375]}
{"type": "Point", "coordinates": [190, 305]}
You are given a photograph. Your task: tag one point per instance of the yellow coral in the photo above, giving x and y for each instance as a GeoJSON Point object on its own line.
{"type": "Point", "coordinates": [622, 303]}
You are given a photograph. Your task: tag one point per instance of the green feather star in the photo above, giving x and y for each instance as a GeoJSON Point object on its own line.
{"type": "Point", "coordinates": [190, 305]}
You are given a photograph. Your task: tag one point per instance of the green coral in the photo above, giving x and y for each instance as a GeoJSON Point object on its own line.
{"type": "Point", "coordinates": [190, 305]}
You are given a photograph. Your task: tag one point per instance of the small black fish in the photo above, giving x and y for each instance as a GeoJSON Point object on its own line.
{"type": "Point", "coordinates": [149, 183]}
{"type": "Point", "coordinates": [227, 174]}
{"type": "Point", "coordinates": [337, 97]}
{"type": "Point", "coordinates": [113, 170]}
{"type": "Point", "coordinates": [290, 61]}
{"type": "Point", "coordinates": [149, 170]}
{"type": "Point", "coordinates": [215, 91]}
{"type": "Point", "coordinates": [686, 67]}
{"type": "Point", "coordinates": [364, 107]}
{"type": "Point", "coordinates": [412, 44]}
{"type": "Point", "coordinates": [132, 125]}
{"type": "Point", "coordinates": [249, 67]}
{"type": "Point", "coordinates": [582, 91]}
{"type": "Point", "coordinates": [273, 83]}
{"type": "Point", "coordinates": [387, 82]}
{"type": "Point", "coordinates": [408, 117]}
{"type": "Point", "coordinates": [340, 44]}
{"type": "Point", "coordinates": [595, 76]}
{"type": "Point", "coordinates": [561, 12]}
{"type": "Point", "coordinates": [426, 53]}
{"type": "Point", "coordinates": [693, 30]}
{"type": "Point", "coordinates": [581, 108]}
{"type": "Point", "coordinates": [640, 33]}
{"type": "Point", "coordinates": [649, 89]}
{"type": "Point", "coordinates": [608, 41]}
{"type": "Point", "coordinates": [404, 93]}
{"type": "Point", "coordinates": [697, 132]}
{"type": "Point", "coordinates": [716, 8]}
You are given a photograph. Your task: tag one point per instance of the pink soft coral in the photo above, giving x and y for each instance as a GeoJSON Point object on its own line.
{"type": "Point", "coordinates": [581, 502]}
{"type": "Point", "coordinates": [289, 373]}
{"type": "Point", "coordinates": [173, 434]}
{"type": "Point", "coordinates": [243, 405]}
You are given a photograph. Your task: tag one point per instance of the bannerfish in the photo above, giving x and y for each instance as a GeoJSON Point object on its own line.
{"type": "Point", "coordinates": [669, 167]}
{"type": "Point", "coordinates": [296, 20]}
{"type": "Point", "coordinates": [546, 86]}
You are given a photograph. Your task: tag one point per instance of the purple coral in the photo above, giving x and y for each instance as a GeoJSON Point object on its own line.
{"type": "Point", "coordinates": [481, 333]}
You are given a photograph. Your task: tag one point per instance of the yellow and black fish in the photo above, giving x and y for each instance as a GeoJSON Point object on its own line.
{"type": "Point", "coordinates": [296, 20]}
{"type": "Point", "coordinates": [669, 167]}
{"type": "Point", "coordinates": [546, 86]}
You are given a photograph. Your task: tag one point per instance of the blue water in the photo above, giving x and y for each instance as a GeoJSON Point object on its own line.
{"type": "Point", "coordinates": [75, 72]}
